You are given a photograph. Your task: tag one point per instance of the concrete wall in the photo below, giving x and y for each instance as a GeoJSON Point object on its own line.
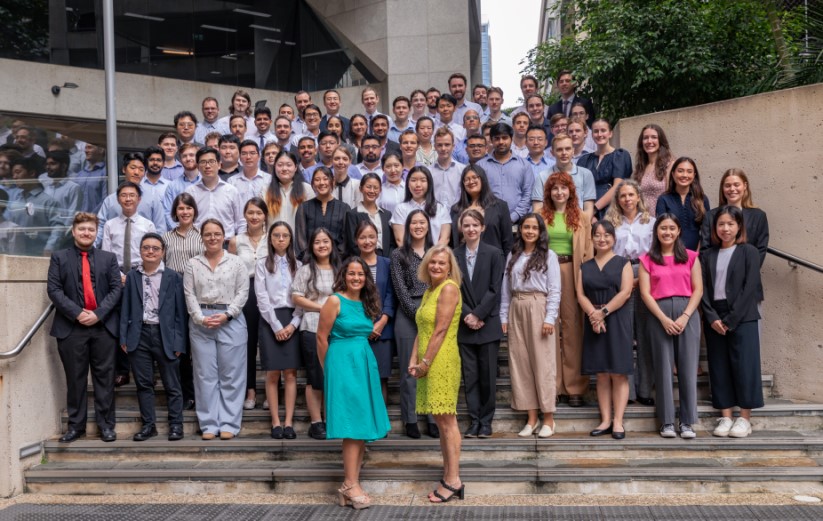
{"type": "Point", "coordinates": [32, 385]}
{"type": "Point", "coordinates": [777, 139]}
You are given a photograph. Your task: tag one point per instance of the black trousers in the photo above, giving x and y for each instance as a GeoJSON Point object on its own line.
{"type": "Point", "coordinates": [89, 348]}
{"type": "Point", "coordinates": [149, 351]}
{"type": "Point", "coordinates": [252, 314]}
{"type": "Point", "coordinates": [187, 373]}
{"type": "Point", "coordinates": [479, 365]}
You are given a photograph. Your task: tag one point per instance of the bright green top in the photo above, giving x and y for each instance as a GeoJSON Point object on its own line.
{"type": "Point", "coordinates": [560, 239]}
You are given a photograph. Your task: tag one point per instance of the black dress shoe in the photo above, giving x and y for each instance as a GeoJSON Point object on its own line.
{"type": "Point", "coordinates": [148, 431]}
{"type": "Point", "coordinates": [288, 432]}
{"type": "Point", "coordinates": [472, 431]}
{"type": "Point", "coordinates": [618, 435]}
{"type": "Point", "coordinates": [575, 400]}
{"type": "Point", "coordinates": [277, 433]}
{"type": "Point", "coordinates": [317, 431]}
{"type": "Point", "coordinates": [189, 405]}
{"type": "Point", "coordinates": [71, 435]}
{"type": "Point", "coordinates": [121, 380]}
{"type": "Point", "coordinates": [108, 435]}
{"type": "Point", "coordinates": [601, 432]}
{"type": "Point", "coordinates": [485, 431]}
{"type": "Point", "coordinates": [412, 431]}
{"type": "Point", "coordinates": [175, 432]}
{"type": "Point", "coordinates": [434, 432]}
{"type": "Point", "coordinates": [649, 402]}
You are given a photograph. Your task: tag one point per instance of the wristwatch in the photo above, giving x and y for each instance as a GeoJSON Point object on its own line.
{"type": "Point", "coordinates": [229, 318]}
{"type": "Point", "coordinates": [605, 311]}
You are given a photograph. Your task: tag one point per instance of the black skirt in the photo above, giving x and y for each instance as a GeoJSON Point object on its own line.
{"type": "Point", "coordinates": [275, 355]}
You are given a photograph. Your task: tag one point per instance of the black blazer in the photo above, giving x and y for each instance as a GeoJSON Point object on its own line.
{"type": "Point", "coordinates": [557, 108]}
{"type": "Point", "coordinates": [173, 313]}
{"type": "Point", "coordinates": [742, 283]}
{"type": "Point", "coordinates": [65, 289]}
{"type": "Point", "coordinates": [481, 295]}
{"type": "Point", "coordinates": [498, 231]}
{"type": "Point", "coordinates": [353, 218]}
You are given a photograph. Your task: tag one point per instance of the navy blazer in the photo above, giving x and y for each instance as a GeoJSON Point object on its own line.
{"type": "Point", "coordinates": [386, 292]}
{"type": "Point", "coordinates": [65, 289]}
{"type": "Point", "coordinates": [689, 227]}
{"type": "Point", "coordinates": [172, 313]}
{"type": "Point", "coordinates": [742, 284]}
{"type": "Point", "coordinates": [557, 108]}
{"type": "Point", "coordinates": [481, 294]}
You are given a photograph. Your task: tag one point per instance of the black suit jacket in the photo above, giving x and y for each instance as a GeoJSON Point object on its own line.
{"type": "Point", "coordinates": [353, 217]}
{"type": "Point", "coordinates": [173, 313]}
{"type": "Point", "coordinates": [481, 295]}
{"type": "Point", "coordinates": [498, 231]}
{"type": "Point", "coordinates": [65, 289]}
{"type": "Point", "coordinates": [742, 284]}
{"type": "Point", "coordinates": [557, 108]}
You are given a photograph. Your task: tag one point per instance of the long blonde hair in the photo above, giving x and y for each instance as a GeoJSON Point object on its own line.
{"type": "Point", "coordinates": [615, 213]}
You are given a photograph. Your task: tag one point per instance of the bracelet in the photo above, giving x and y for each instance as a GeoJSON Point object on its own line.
{"type": "Point", "coordinates": [687, 314]}
{"type": "Point", "coordinates": [424, 361]}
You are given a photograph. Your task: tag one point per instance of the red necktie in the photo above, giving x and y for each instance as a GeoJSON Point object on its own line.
{"type": "Point", "coordinates": [88, 289]}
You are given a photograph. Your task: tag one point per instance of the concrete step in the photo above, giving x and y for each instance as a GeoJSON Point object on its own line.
{"type": "Point", "coordinates": [777, 415]}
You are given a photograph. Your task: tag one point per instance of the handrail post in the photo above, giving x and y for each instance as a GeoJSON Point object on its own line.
{"type": "Point", "coordinates": [33, 331]}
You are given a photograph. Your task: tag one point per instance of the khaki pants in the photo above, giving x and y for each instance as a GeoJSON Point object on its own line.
{"type": "Point", "coordinates": [570, 337]}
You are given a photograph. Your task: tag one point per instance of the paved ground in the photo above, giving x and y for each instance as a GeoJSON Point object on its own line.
{"type": "Point", "coordinates": [203, 512]}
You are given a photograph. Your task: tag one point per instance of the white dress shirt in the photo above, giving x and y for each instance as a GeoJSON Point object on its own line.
{"type": "Point", "coordinates": [447, 182]}
{"type": "Point", "coordinates": [222, 203]}
{"type": "Point", "coordinates": [114, 234]}
{"type": "Point", "coordinates": [274, 292]}
{"type": "Point", "coordinates": [391, 195]}
{"type": "Point", "coordinates": [547, 282]}
{"type": "Point", "coordinates": [248, 188]}
{"type": "Point", "coordinates": [633, 238]}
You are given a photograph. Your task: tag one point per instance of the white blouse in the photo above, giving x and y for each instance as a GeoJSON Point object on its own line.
{"type": "Point", "coordinates": [246, 251]}
{"type": "Point", "coordinates": [227, 284]}
{"type": "Point", "coordinates": [288, 210]}
{"type": "Point", "coordinates": [274, 292]}
{"type": "Point", "coordinates": [441, 216]}
{"type": "Point", "coordinates": [633, 239]}
{"type": "Point", "coordinates": [300, 286]}
{"type": "Point", "coordinates": [547, 282]}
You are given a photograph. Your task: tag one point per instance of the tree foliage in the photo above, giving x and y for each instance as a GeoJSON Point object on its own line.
{"type": "Point", "coordinates": [638, 56]}
{"type": "Point", "coordinates": [25, 33]}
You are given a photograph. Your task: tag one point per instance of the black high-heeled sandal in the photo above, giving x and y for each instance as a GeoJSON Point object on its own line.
{"type": "Point", "coordinates": [459, 493]}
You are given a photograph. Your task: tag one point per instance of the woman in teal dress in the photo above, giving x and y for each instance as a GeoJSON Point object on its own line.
{"type": "Point", "coordinates": [355, 410]}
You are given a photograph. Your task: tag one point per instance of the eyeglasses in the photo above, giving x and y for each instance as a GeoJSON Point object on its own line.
{"type": "Point", "coordinates": [185, 125]}
{"type": "Point", "coordinates": [147, 248]}
{"type": "Point", "coordinates": [281, 235]}
{"type": "Point", "coordinates": [207, 162]}
{"type": "Point", "coordinates": [470, 117]}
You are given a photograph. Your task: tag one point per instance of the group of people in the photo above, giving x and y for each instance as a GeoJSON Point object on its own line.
{"type": "Point", "coordinates": [336, 244]}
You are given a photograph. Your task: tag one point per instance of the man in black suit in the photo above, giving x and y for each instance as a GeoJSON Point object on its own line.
{"type": "Point", "coordinates": [568, 97]}
{"type": "Point", "coordinates": [84, 285]}
{"type": "Point", "coordinates": [153, 329]}
{"type": "Point", "coordinates": [480, 331]}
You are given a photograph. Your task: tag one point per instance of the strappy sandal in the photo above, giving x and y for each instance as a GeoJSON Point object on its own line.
{"type": "Point", "coordinates": [459, 493]}
{"type": "Point", "coordinates": [345, 498]}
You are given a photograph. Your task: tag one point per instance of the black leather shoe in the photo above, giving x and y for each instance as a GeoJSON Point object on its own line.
{"type": "Point", "coordinates": [601, 432]}
{"type": "Point", "coordinates": [618, 435]}
{"type": "Point", "coordinates": [121, 380]}
{"type": "Point", "coordinates": [148, 431]}
{"type": "Point", "coordinates": [277, 433]}
{"type": "Point", "coordinates": [71, 435]}
{"type": "Point", "coordinates": [108, 435]}
{"type": "Point", "coordinates": [317, 431]}
{"type": "Point", "coordinates": [175, 432]}
{"type": "Point", "coordinates": [412, 431]}
{"type": "Point", "coordinates": [434, 432]}
{"type": "Point", "coordinates": [575, 400]}
{"type": "Point", "coordinates": [485, 431]}
{"type": "Point", "coordinates": [649, 402]}
{"type": "Point", "coordinates": [189, 405]}
{"type": "Point", "coordinates": [472, 431]}
{"type": "Point", "coordinates": [288, 432]}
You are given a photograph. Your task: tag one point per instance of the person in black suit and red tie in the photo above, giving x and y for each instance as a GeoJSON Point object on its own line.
{"type": "Point", "coordinates": [84, 285]}
{"type": "Point", "coordinates": [568, 97]}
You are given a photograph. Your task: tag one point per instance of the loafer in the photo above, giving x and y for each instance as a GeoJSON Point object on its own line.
{"type": "Point", "coordinates": [528, 430]}
{"type": "Point", "coordinates": [546, 431]}
{"type": "Point", "coordinates": [601, 432]}
{"type": "Point", "coordinates": [108, 435]}
{"type": "Point", "coordinates": [413, 431]}
{"type": "Point", "coordinates": [576, 400]}
{"type": "Point", "coordinates": [226, 435]}
{"type": "Point", "coordinates": [485, 431]}
{"type": "Point", "coordinates": [317, 431]}
{"type": "Point", "coordinates": [189, 405]}
{"type": "Point", "coordinates": [648, 402]}
{"type": "Point", "coordinates": [433, 431]}
{"type": "Point", "coordinates": [288, 432]}
{"type": "Point", "coordinates": [175, 433]}
{"type": "Point", "coordinates": [121, 380]}
{"type": "Point", "coordinates": [208, 436]}
{"type": "Point", "coordinates": [472, 431]}
{"type": "Point", "coordinates": [71, 435]}
{"type": "Point", "coordinates": [277, 432]}
{"type": "Point", "coordinates": [148, 431]}
{"type": "Point", "coordinates": [618, 435]}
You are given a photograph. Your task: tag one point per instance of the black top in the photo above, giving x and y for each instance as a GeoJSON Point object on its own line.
{"type": "Point", "coordinates": [406, 285]}
{"type": "Point", "coordinates": [310, 216]}
{"type": "Point", "coordinates": [615, 165]}
{"type": "Point", "coordinates": [690, 228]}
{"type": "Point", "coordinates": [498, 231]}
{"type": "Point", "coordinates": [353, 218]}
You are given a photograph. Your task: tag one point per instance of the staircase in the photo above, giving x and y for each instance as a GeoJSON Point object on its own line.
{"type": "Point", "coordinates": [784, 454]}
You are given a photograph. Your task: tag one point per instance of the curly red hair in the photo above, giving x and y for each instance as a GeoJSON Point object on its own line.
{"type": "Point", "coordinates": [573, 211]}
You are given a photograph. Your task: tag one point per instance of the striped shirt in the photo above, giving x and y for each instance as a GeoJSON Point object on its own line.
{"type": "Point", "coordinates": [181, 248]}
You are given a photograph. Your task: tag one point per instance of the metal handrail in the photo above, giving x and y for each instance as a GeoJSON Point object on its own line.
{"type": "Point", "coordinates": [26, 339]}
{"type": "Point", "coordinates": [795, 261]}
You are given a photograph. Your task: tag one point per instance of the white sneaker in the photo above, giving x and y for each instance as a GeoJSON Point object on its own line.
{"type": "Point", "coordinates": [724, 425]}
{"type": "Point", "coordinates": [686, 432]}
{"type": "Point", "coordinates": [248, 405]}
{"type": "Point", "coordinates": [266, 405]}
{"type": "Point", "coordinates": [528, 430]}
{"type": "Point", "coordinates": [546, 431]}
{"type": "Point", "coordinates": [741, 428]}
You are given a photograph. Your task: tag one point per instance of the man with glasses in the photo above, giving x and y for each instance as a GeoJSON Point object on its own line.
{"type": "Point", "coordinates": [370, 152]}
{"type": "Point", "coordinates": [311, 115]}
{"type": "Point", "coordinates": [538, 157]}
{"type": "Point", "coordinates": [475, 149]}
{"type": "Point", "coordinates": [153, 329]}
{"type": "Point", "coordinates": [252, 181]}
{"type": "Point", "coordinates": [216, 198]}
{"type": "Point", "coordinates": [185, 123]}
{"type": "Point", "coordinates": [471, 124]}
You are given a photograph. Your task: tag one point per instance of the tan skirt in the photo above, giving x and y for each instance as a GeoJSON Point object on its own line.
{"type": "Point", "coordinates": [532, 361]}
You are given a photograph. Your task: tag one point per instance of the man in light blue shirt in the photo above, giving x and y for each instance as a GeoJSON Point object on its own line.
{"type": "Point", "coordinates": [92, 179]}
{"type": "Point", "coordinates": [457, 88]}
{"type": "Point", "coordinates": [215, 198]}
{"type": "Point", "coordinates": [188, 154]}
{"type": "Point", "coordinates": [211, 115]}
{"type": "Point", "coordinates": [538, 157]}
{"type": "Point", "coordinates": [510, 177]}
{"type": "Point", "coordinates": [154, 185]}
{"type": "Point", "coordinates": [251, 181]}
{"type": "Point", "coordinates": [563, 150]}
{"type": "Point", "coordinates": [445, 171]}
{"type": "Point", "coordinates": [401, 107]}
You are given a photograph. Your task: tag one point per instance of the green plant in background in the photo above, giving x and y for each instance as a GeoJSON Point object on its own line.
{"type": "Point", "coordinates": [637, 56]}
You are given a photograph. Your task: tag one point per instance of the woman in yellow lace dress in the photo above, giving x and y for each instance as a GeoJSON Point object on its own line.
{"type": "Point", "coordinates": [435, 361]}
